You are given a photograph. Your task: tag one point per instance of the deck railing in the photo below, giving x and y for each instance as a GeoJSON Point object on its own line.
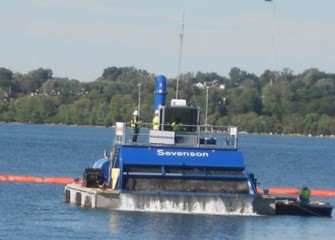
{"type": "Point", "coordinates": [201, 136]}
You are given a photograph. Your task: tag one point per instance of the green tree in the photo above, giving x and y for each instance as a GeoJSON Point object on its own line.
{"type": "Point", "coordinates": [272, 100]}
{"type": "Point", "coordinates": [326, 125]}
{"type": "Point", "coordinates": [36, 109]}
{"type": "Point", "coordinates": [311, 123]}
{"type": "Point", "coordinates": [292, 123]}
{"type": "Point", "coordinates": [5, 79]}
{"type": "Point", "coordinates": [35, 79]}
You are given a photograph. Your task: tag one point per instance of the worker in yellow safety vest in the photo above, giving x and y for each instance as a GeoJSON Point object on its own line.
{"type": "Point", "coordinates": [135, 125]}
{"type": "Point", "coordinates": [155, 121]}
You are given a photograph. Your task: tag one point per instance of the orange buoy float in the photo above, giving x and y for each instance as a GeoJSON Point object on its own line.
{"type": "Point", "coordinates": [36, 179]}
{"type": "Point", "coordinates": [59, 180]}
{"type": "Point", "coordinates": [283, 191]}
{"type": "Point", "coordinates": [15, 178]}
{"type": "Point", "coordinates": [323, 193]}
{"type": "Point", "coordinates": [3, 177]}
{"type": "Point", "coordinates": [259, 190]}
{"type": "Point", "coordinates": [296, 191]}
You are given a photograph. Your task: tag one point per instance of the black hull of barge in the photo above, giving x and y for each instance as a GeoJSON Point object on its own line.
{"type": "Point", "coordinates": [303, 209]}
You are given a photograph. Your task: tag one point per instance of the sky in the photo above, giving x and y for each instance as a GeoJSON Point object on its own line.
{"type": "Point", "coordinates": [78, 39]}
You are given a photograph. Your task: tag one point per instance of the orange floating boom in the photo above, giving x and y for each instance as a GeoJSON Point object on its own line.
{"type": "Point", "coordinates": [296, 191]}
{"type": "Point", "coordinates": [284, 191]}
{"type": "Point", "coordinates": [323, 193]}
{"type": "Point", "coordinates": [36, 179]}
{"type": "Point", "coordinates": [259, 190]}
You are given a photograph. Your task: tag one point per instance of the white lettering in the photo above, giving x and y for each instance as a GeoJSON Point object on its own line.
{"type": "Point", "coordinates": [162, 152]}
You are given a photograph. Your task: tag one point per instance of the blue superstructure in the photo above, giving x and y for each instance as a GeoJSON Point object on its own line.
{"type": "Point", "coordinates": [174, 169]}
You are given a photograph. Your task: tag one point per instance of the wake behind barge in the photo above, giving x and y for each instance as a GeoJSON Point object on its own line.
{"type": "Point", "coordinates": [192, 168]}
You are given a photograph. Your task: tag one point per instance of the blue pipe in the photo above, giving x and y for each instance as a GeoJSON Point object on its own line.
{"type": "Point", "coordinates": [160, 91]}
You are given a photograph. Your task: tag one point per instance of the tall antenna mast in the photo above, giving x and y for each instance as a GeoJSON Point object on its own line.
{"type": "Point", "coordinates": [180, 51]}
{"type": "Point", "coordinates": [273, 67]}
{"type": "Point", "coordinates": [273, 43]}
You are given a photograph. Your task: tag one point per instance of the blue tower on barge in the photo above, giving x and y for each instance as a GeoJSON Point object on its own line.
{"type": "Point", "coordinates": [200, 161]}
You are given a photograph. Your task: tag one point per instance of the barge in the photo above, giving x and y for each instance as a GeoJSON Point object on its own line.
{"type": "Point", "coordinates": [197, 168]}
{"type": "Point", "coordinates": [198, 165]}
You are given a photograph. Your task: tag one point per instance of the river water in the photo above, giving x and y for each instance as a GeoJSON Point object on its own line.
{"type": "Point", "coordinates": [37, 211]}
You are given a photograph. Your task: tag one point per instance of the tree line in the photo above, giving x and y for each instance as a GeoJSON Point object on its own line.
{"type": "Point", "coordinates": [278, 102]}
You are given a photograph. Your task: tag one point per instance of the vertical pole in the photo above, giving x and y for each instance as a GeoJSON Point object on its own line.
{"type": "Point", "coordinates": [206, 122]}
{"type": "Point", "coordinates": [180, 51]}
{"type": "Point", "coordinates": [139, 99]}
{"type": "Point", "coordinates": [273, 39]}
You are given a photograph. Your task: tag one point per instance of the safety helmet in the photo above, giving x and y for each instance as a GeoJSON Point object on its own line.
{"type": "Point", "coordinates": [135, 113]}
{"type": "Point", "coordinates": [156, 112]}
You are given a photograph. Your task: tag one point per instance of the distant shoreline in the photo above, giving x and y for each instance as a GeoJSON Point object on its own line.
{"type": "Point", "coordinates": [240, 133]}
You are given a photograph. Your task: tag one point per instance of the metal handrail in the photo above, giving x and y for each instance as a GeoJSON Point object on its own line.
{"type": "Point", "coordinates": [201, 136]}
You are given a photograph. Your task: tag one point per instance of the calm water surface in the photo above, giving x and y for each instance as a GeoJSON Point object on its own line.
{"type": "Point", "coordinates": [37, 211]}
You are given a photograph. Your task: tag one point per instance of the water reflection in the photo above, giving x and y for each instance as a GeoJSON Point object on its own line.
{"type": "Point", "coordinates": [153, 225]}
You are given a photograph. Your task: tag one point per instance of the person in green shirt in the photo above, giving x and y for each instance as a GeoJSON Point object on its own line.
{"type": "Point", "coordinates": [176, 125]}
{"type": "Point", "coordinates": [305, 195]}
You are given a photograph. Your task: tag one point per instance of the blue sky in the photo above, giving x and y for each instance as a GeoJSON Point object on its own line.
{"type": "Point", "coordinates": [78, 39]}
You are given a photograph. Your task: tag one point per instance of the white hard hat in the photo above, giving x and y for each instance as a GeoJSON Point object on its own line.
{"type": "Point", "coordinates": [135, 113]}
{"type": "Point", "coordinates": [156, 112]}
